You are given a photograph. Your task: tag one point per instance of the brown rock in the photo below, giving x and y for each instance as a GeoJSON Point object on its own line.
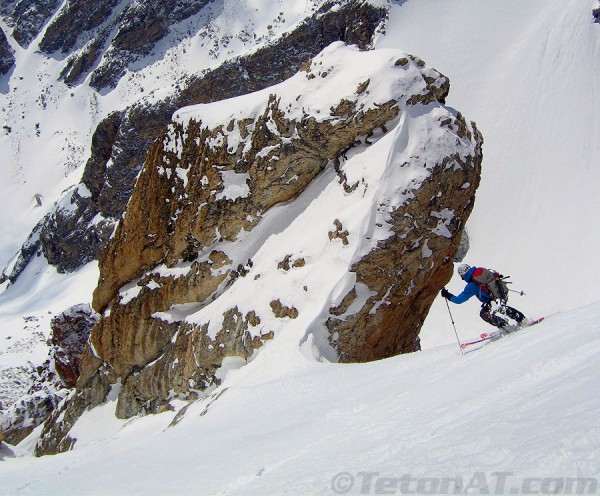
{"type": "Point", "coordinates": [281, 311]}
{"type": "Point", "coordinates": [406, 271]}
{"type": "Point", "coordinates": [285, 263]}
{"type": "Point", "coordinates": [70, 332]}
{"type": "Point", "coordinates": [167, 258]}
{"type": "Point", "coordinates": [339, 233]}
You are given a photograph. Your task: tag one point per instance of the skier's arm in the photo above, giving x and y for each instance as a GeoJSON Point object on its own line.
{"type": "Point", "coordinates": [470, 290]}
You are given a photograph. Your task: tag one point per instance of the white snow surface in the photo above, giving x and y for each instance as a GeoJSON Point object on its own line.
{"type": "Point", "coordinates": [287, 423]}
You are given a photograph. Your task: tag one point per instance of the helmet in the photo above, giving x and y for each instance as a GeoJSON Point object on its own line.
{"type": "Point", "coordinates": [463, 269]}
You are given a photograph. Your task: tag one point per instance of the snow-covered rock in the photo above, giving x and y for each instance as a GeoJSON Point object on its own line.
{"type": "Point", "coordinates": [52, 380]}
{"type": "Point", "coordinates": [27, 17]}
{"type": "Point", "coordinates": [7, 54]}
{"type": "Point", "coordinates": [72, 237]}
{"type": "Point", "coordinates": [336, 198]}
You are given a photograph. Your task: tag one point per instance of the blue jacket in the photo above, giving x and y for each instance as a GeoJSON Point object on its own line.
{"type": "Point", "coordinates": [471, 289]}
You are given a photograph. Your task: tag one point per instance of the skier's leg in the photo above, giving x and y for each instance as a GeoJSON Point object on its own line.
{"type": "Point", "coordinates": [487, 315]}
{"type": "Point", "coordinates": [514, 314]}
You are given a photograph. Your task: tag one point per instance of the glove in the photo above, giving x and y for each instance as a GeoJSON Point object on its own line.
{"type": "Point", "coordinates": [446, 294]}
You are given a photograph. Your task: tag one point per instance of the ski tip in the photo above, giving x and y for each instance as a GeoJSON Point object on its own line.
{"type": "Point", "coordinates": [535, 321]}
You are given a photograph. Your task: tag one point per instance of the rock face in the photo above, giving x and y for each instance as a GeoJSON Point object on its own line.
{"type": "Point", "coordinates": [70, 331]}
{"type": "Point", "coordinates": [7, 56]}
{"type": "Point", "coordinates": [596, 14]}
{"type": "Point", "coordinates": [59, 374]}
{"type": "Point", "coordinates": [72, 234]}
{"type": "Point", "coordinates": [334, 202]}
{"type": "Point", "coordinates": [27, 17]}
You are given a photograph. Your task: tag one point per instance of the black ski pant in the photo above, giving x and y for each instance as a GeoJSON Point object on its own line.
{"type": "Point", "coordinates": [497, 318]}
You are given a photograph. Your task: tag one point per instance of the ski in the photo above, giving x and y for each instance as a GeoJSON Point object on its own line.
{"type": "Point", "coordinates": [470, 343]}
{"type": "Point", "coordinates": [490, 336]}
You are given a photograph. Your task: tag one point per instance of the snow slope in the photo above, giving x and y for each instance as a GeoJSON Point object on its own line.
{"type": "Point", "coordinates": [527, 73]}
{"type": "Point", "coordinates": [286, 424]}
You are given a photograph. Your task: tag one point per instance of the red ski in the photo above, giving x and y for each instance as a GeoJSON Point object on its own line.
{"type": "Point", "coordinates": [487, 336]}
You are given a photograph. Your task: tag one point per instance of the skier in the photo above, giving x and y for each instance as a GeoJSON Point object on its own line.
{"type": "Point", "coordinates": [485, 294]}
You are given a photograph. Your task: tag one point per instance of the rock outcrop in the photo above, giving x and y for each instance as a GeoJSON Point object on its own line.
{"type": "Point", "coordinates": [28, 17]}
{"type": "Point", "coordinates": [79, 228]}
{"type": "Point", "coordinates": [403, 273]}
{"type": "Point", "coordinates": [70, 332]}
{"type": "Point", "coordinates": [7, 56]}
{"type": "Point", "coordinates": [596, 14]}
{"type": "Point", "coordinates": [194, 273]}
{"type": "Point", "coordinates": [57, 376]}
{"type": "Point", "coordinates": [129, 34]}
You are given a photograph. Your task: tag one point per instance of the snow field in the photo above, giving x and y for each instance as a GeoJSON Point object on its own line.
{"type": "Point", "coordinates": [286, 423]}
{"type": "Point", "coordinates": [521, 405]}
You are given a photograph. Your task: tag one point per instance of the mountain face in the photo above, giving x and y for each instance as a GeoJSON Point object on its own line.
{"type": "Point", "coordinates": [7, 57]}
{"type": "Point", "coordinates": [101, 38]}
{"type": "Point", "coordinates": [209, 263]}
{"type": "Point", "coordinates": [326, 271]}
{"type": "Point", "coordinates": [77, 230]}
{"type": "Point", "coordinates": [309, 183]}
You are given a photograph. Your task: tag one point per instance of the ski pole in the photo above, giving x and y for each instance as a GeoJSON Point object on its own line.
{"type": "Point", "coordinates": [522, 293]}
{"type": "Point", "coordinates": [453, 325]}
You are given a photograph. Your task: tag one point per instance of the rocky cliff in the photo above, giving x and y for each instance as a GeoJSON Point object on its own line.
{"type": "Point", "coordinates": [56, 377]}
{"type": "Point", "coordinates": [78, 228]}
{"type": "Point", "coordinates": [330, 206]}
{"type": "Point", "coordinates": [7, 58]}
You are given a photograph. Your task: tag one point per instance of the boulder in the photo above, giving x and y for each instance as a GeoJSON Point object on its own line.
{"type": "Point", "coordinates": [193, 274]}
{"type": "Point", "coordinates": [70, 332]}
